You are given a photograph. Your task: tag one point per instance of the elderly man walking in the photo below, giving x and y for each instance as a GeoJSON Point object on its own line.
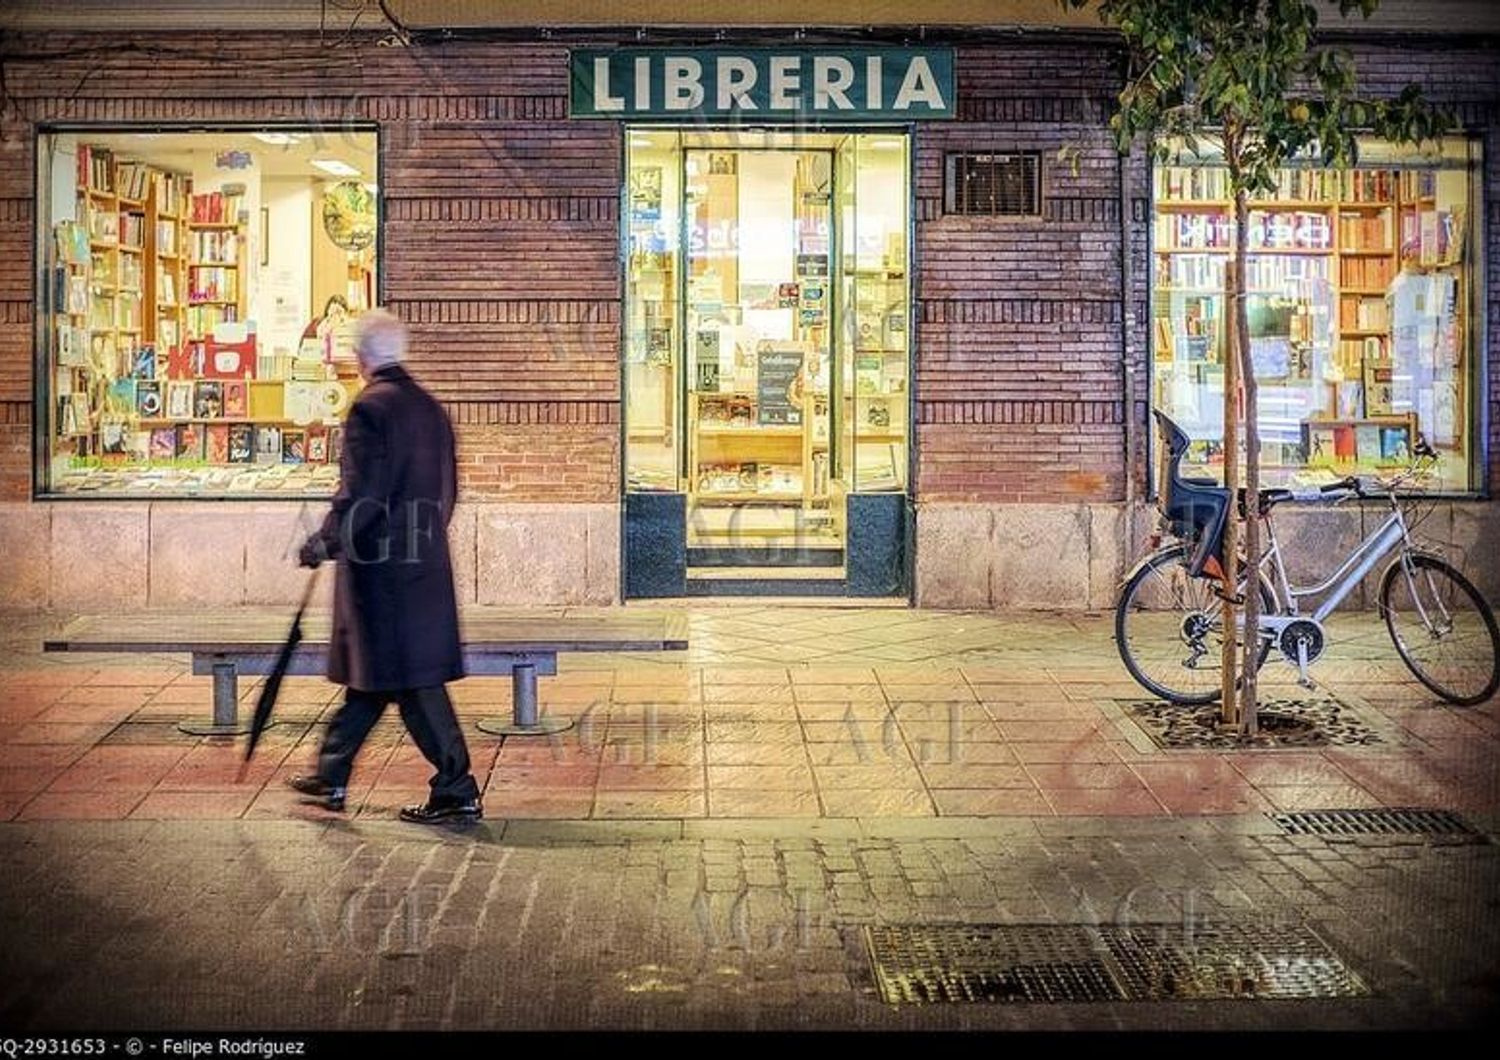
{"type": "Point", "coordinates": [395, 624]}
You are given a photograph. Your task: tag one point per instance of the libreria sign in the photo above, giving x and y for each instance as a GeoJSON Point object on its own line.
{"type": "Point", "coordinates": [763, 84]}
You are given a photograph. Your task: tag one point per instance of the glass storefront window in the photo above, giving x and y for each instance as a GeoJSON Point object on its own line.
{"type": "Point", "coordinates": [1361, 295]}
{"type": "Point", "coordinates": [198, 291]}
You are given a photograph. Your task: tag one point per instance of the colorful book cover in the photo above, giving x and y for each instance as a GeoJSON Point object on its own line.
{"type": "Point", "coordinates": [216, 446]}
{"type": "Point", "coordinates": [236, 401]}
{"type": "Point", "coordinates": [268, 445]}
{"type": "Point", "coordinates": [122, 396]}
{"type": "Point", "coordinates": [1343, 443]}
{"type": "Point", "coordinates": [208, 401]}
{"type": "Point", "coordinates": [336, 445]}
{"type": "Point", "coordinates": [163, 443]}
{"type": "Point", "coordinates": [143, 362]}
{"type": "Point", "coordinates": [179, 400]}
{"type": "Point", "coordinates": [317, 447]}
{"type": "Point", "coordinates": [189, 441]}
{"type": "Point", "coordinates": [293, 447]}
{"type": "Point", "coordinates": [1394, 444]}
{"type": "Point", "coordinates": [1320, 445]}
{"type": "Point", "coordinates": [138, 446]}
{"type": "Point", "coordinates": [1367, 442]}
{"type": "Point", "coordinates": [147, 398]}
{"type": "Point", "coordinates": [241, 443]}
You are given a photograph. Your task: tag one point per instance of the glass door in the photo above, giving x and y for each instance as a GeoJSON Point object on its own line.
{"type": "Point", "coordinates": [757, 263]}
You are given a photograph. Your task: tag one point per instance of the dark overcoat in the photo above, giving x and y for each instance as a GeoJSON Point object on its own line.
{"type": "Point", "coordinates": [395, 622]}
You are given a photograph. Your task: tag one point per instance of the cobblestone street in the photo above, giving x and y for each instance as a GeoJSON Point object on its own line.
{"type": "Point", "coordinates": [709, 844]}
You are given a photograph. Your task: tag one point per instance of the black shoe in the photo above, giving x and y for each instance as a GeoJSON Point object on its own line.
{"type": "Point", "coordinates": [437, 811]}
{"type": "Point", "coordinates": [320, 792]}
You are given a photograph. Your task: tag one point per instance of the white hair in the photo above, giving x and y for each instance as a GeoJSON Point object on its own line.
{"type": "Point", "coordinates": [379, 339]}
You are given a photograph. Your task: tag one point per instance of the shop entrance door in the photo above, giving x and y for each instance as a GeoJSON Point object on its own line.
{"type": "Point", "coordinates": [766, 361]}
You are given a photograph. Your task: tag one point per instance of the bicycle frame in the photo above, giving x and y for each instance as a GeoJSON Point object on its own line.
{"type": "Point", "coordinates": [1338, 585]}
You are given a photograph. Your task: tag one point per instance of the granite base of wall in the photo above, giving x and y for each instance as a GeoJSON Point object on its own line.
{"type": "Point", "coordinates": [91, 556]}
{"type": "Point", "coordinates": [1072, 557]}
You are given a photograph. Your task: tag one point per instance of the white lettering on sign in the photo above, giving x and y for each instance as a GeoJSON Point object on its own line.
{"type": "Point", "coordinates": [874, 86]}
{"type": "Point", "coordinates": [786, 78]}
{"type": "Point", "coordinates": [642, 83]}
{"type": "Point", "coordinates": [603, 101]}
{"type": "Point", "coordinates": [736, 77]}
{"type": "Point", "coordinates": [918, 86]}
{"type": "Point", "coordinates": [832, 77]}
{"type": "Point", "coordinates": [684, 84]}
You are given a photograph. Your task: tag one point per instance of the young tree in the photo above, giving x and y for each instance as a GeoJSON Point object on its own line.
{"type": "Point", "coordinates": [1250, 77]}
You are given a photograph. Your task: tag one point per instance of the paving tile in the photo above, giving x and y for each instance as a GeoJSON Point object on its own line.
{"type": "Point", "coordinates": [658, 777]}
{"type": "Point", "coordinates": [741, 711]}
{"type": "Point", "coordinates": [1344, 797]}
{"type": "Point", "coordinates": [1296, 770]}
{"type": "Point", "coordinates": [27, 780]}
{"type": "Point", "coordinates": [1227, 799]}
{"type": "Point", "coordinates": [873, 776]}
{"type": "Point", "coordinates": [839, 693]}
{"type": "Point", "coordinates": [81, 806]}
{"type": "Point", "coordinates": [788, 732]}
{"type": "Point", "coordinates": [812, 676]}
{"type": "Point", "coordinates": [1090, 749]}
{"type": "Point", "coordinates": [976, 775]}
{"type": "Point", "coordinates": [789, 776]}
{"type": "Point", "coordinates": [610, 804]}
{"type": "Point", "coordinates": [859, 802]}
{"type": "Point", "coordinates": [984, 802]}
{"type": "Point", "coordinates": [537, 776]}
{"type": "Point", "coordinates": [844, 711]}
{"type": "Point", "coordinates": [1112, 802]}
{"type": "Point", "coordinates": [196, 805]}
{"type": "Point", "coordinates": [557, 803]}
{"type": "Point", "coordinates": [871, 732]}
{"type": "Point", "coordinates": [770, 802]}
{"type": "Point", "coordinates": [57, 732]}
{"type": "Point", "coordinates": [752, 754]}
{"type": "Point", "coordinates": [1053, 730]}
{"type": "Point", "coordinates": [1050, 775]}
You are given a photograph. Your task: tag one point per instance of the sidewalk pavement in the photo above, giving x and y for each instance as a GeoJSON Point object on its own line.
{"type": "Point", "coordinates": [710, 845]}
{"type": "Point", "coordinates": [772, 712]}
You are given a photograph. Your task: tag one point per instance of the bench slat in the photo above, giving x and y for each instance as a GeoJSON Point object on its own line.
{"type": "Point", "coordinates": [261, 632]}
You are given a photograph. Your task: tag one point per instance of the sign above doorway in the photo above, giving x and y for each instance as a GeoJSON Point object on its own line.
{"type": "Point", "coordinates": [761, 85]}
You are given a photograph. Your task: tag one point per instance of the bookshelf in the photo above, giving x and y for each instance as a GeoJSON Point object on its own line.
{"type": "Point", "coordinates": [737, 459]}
{"type": "Point", "coordinates": [1325, 263]}
{"type": "Point", "coordinates": [215, 251]}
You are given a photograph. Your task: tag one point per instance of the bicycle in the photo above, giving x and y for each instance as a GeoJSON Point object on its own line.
{"type": "Point", "coordinates": [1168, 623]}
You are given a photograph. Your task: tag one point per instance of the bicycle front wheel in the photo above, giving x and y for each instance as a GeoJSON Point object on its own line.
{"type": "Point", "coordinates": [1169, 629]}
{"type": "Point", "coordinates": [1443, 629]}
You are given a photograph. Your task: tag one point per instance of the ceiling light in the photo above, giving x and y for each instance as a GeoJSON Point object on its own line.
{"type": "Point", "coordinates": [277, 138]}
{"type": "Point", "coordinates": [334, 167]}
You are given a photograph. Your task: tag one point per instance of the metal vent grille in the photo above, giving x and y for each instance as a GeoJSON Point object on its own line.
{"type": "Point", "coordinates": [1056, 963]}
{"type": "Point", "coordinates": [1401, 822]}
{"type": "Point", "coordinates": [994, 185]}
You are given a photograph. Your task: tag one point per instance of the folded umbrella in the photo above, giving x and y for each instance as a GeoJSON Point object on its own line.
{"type": "Point", "coordinates": [272, 687]}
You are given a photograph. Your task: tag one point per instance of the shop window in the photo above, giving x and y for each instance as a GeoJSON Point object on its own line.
{"type": "Point", "coordinates": [1362, 300]}
{"type": "Point", "coordinates": [198, 292]}
{"type": "Point", "coordinates": [994, 185]}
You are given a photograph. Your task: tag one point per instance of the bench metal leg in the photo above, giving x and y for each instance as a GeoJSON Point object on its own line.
{"type": "Point", "coordinates": [524, 720]}
{"type": "Point", "coordinates": [226, 706]}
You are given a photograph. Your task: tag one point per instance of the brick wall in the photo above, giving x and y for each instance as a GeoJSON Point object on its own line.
{"type": "Point", "coordinates": [501, 244]}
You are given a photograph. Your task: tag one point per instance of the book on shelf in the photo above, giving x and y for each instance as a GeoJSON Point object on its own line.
{"type": "Point", "coordinates": [96, 168]}
{"type": "Point", "coordinates": [216, 443]}
{"type": "Point", "coordinates": [132, 230]}
{"type": "Point", "coordinates": [163, 443]}
{"type": "Point", "coordinates": [1366, 232]}
{"type": "Point", "coordinates": [267, 445]}
{"type": "Point", "coordinates": [132, 180]}
{"type": "Point", "coordinates": [293, 447]}
{"type": "Point", "coordinates": [1366, 273]}
{"type": "Point", "coordinates": [208, 399]}
{"type": "Point", "coordinates": [217, 207]}
{"type": "Point", "coordinates": [1367, 185]}
{"type": "Point", "coordinates": [189, 441]}
{"type": "Point", "coordinates": [216, 247]}
{"type": "Point", "coordinates": [213, 284]}
{"type": "Point", "coordinates": [236, 400]}
{"type": "Point", "coordinates": [179, 399]}
{"type": "Point", "coordinates": [148, 400]}
{"type": "Point", "coordinates": [241, 443]}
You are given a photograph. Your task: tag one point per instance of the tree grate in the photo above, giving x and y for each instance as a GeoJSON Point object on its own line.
{"type": "Point", "coordinates": [1322, 722]}
{"type": "Point", "coordinates": [1434, 824]}
{"type": "Point", "coordinates": [1073, 963]}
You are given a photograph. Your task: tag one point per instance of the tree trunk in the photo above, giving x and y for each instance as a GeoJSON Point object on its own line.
{"type": "Point", "coordinates": [1248, 694]}
{"type": "Point", "coordinates": [1229, 657]}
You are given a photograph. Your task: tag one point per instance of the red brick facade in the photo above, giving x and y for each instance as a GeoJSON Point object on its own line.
{"type": "Point", "coordinates": [501, 244]}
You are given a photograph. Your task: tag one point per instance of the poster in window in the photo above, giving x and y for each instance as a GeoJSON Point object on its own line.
{"type": "Point", "coordinates": [778, 385]}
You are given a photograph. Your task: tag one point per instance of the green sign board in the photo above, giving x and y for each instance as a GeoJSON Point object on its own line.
{"type": "Point", "coordinates": [762, 85]}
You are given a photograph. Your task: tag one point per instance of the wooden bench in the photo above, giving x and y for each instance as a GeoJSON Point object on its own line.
{"type": "Point", "coordinates": [231, 642]}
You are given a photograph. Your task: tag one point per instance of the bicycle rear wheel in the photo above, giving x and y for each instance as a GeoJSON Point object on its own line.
{"type": "Point", "coordinates": [1443, 630]}
{"type": "Point", "coordinates": [1169, 629]}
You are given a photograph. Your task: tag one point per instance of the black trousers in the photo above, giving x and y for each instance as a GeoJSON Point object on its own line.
{"type": "Point", "coordinates": [427, 714]}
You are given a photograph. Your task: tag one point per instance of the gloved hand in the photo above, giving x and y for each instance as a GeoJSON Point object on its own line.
{"type": "Point", "coordinates": [312, 553]}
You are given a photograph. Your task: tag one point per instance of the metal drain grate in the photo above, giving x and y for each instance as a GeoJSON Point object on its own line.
{"type": "Point", "coordinates": [1052, 963]}
{"type": "Point", "coordinates": [1440, 824]}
